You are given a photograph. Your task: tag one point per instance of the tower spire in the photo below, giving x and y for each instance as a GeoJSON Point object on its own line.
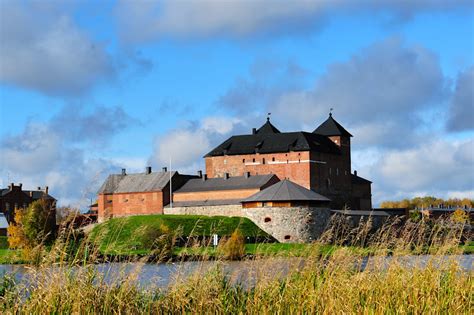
{"type": "Point", "coordinates": [330, 111]}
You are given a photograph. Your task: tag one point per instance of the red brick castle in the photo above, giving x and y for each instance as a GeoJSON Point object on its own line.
{"type": "Point", "coordinates": [316, 164]}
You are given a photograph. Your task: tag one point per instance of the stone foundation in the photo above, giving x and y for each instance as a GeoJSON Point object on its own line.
{"type": "Point", "coordinates": [226, 210]}
{"type": "Point", "coordinates": [286, 224]}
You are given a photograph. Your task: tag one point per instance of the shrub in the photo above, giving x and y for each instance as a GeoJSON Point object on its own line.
{"type": "Point", "coordinates": [232, 248]}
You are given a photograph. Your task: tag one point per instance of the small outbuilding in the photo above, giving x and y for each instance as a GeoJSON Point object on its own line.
{"type": "Point", "coordinates": [289, 212]}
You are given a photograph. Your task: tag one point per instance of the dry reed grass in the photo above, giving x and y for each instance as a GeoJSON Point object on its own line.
{"type": "Point", "coordinates": [66, 281]}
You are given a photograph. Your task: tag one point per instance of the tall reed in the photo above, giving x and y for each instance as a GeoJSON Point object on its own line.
{"type": "Point", "coordinates": [67, 281]}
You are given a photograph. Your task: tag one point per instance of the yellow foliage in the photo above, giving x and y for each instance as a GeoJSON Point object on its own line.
{"type": "Point", "coordinates": [16, 234]}
{"type": "Point", "coordinates": [234, 247]}
{"type": "Point", "coordinates": [460, 216]}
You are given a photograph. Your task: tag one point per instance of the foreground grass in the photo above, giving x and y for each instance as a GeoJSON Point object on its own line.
{"type": "Point", "coordinates": [325, 285]}
{"type": "Point", "coordinates": [330, 279]}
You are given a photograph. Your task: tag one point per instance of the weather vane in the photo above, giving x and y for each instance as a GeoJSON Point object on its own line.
{"type": "Point", "coordinates": [330, 111]}
{"type": "Point", "coordinates": [268, 116]}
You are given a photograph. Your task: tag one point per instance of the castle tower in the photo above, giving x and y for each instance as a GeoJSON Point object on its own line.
{"type": "Point", "coordinates": [340, 136]}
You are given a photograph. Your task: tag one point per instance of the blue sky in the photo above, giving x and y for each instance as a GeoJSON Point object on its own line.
{"type": "Point", "coordinates": [87, 89]}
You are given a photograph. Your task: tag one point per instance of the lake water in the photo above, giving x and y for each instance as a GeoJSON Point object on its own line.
{"type": "Point", "coordinates": [244, 272]}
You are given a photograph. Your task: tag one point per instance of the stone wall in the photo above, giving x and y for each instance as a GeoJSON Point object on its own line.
{"type": "Point", "coordinates": [292, 224]}
{"type": "Point", "coordinates": [227, 210]}
{"type": "Point", "coordinates": [286, 224]}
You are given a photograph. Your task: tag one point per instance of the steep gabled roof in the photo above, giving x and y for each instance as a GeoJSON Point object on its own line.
{"type": "Point", "coordinates": [140, 182]}
{"type": "Point", "coordinates": [359, 180]}
{"type": "Point", "coordinates": [267, 128]}
{"type": "Point", "coordinates": [285, 190]}
{"type": "Point", "coordinates": [231, 183]}
{"type": "Point", "coordinates": [275, 143]}
{"type": "Point", "coordinates": [331, 128]}
{"type": "Point", "coordinates": [34, 194]}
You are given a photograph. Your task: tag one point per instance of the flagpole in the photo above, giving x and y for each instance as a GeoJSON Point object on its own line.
{"type": "Point", "coordinates": [171, 188]}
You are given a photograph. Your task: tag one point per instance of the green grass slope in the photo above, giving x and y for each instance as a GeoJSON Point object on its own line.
{"type": "Point", "coordinates": [130, 235]}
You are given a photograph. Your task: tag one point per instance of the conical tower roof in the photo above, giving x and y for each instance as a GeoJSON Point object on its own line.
{"type": "Point", "coordinates": [267, 128]}
{"type": "Point", "coordinates": [286, 190]}
{"type": "Point", "coordinates": [331, 128]}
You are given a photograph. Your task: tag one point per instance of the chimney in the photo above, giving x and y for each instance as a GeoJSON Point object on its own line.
{"type": "Point", "coordinates": [46, 189]}
{"type": "Point", "coordinates": [355, 172]}
{"type": "Point", "coordinates": [165, 169]}
{"type": "Point", "coordinates": [226, 175]}
{"type": "Point", "coordinates": [204, 177]}
{"type": "Point", "coordinates": [254, 131]}
{"type": "Point", "coordinates": [20, 185]}
{"type": "Point", "coordinates": [148, 170]}
{"type": "Point", "coordinates": [200, 174]}
{"type": "Point", "coordinates": [124, 171]}
{"type": "Point", "coordinates": [247, 174]}
{"type": "Point", "coordinates": [11, 186]}
{"type": "Point", "coordinates": [39, 188]}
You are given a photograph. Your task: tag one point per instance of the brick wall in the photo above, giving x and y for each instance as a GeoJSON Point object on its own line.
{"type": "Point", "coordinates": [125, 204]}
{"type": "Point", "coordinates": [292, 165]}
{"type": "Point", "coordinates": [327, 174]}
{"type": "Point", "coordinates": [214, 195]}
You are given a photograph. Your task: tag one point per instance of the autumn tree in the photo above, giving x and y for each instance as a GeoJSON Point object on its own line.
{"type": "Point", "coordinates": [33, 226]}
{"type": "Point", "coordinates": [16, 235]}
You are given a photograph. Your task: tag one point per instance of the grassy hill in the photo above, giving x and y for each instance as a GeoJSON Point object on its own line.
{"type": "Point", "coordinates": [134, 235]}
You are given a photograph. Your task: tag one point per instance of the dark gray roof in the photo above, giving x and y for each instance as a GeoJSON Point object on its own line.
{"type": "Point", "coordinates": [38, 194]}
{"type": "Point", "coordinates": [267, 128]}
{"type": "Point", "coordinates": [359, 180]}
{"type": "Point", "coordinates": [35, 194]}
{"type": "Point", "coordinates": [237, 182]}
{"type": "Point", "coordinates": [286, 190]}
{"type": "Point", "coordinates": [331, 128]}
{"type": "Point", "coordinates": [200, 203]}
{"type": "Point", "coordinates": [140, 182]}
{"type": "Point", "coordinates": [275, 143]}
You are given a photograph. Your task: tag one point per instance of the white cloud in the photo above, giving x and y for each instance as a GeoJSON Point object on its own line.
{"type": "Point", "coordinates": [45, 51]}
{"type": "Point", "coordinates": [141, 21]}
{"type": "Point", "coordinates": [379, 92]}
{"type": "Point", "coordinates": [435, 167]}
{"type": "Point", "coordinates": [461, 110]}
{"type": "Point", "coordinates": [47, 154]}
{"type": "Point", "coordinates": [188, 145]}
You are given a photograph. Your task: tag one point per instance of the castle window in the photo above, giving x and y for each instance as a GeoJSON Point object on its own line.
{"type": "Point", "coordinates": [337, 171]}
{"type": "Point", "coordinates": [243, 161]}
{"type": "Point", "coordinates": [328, 183]}
{"type": "Point", "coordinates": [267, 219]}
{"type": "Point", "coordinates": [287, 237]}
{"type": "Point", "coordinates": [273, 159]}
{"type": "Point", "coordinates": [7, 206]}
{"type": "Point", "coordinates": [263, 161]}
{"type": "Point", "coordinates": [253, 160]}
{"type": "Point", "coordinates": [330, 171]}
